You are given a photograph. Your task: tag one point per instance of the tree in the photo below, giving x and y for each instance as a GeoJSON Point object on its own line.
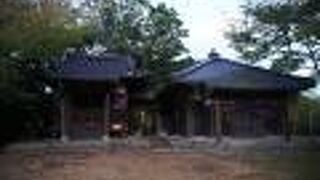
{"type": "Point", "coordinates": [41, 30]}
{"type": "Point", "coordinates": [309, 113]}
{"type": "Point", "coordinates": [285, 33]}
{"type": "Point", "coordinates": [31, 34]}
{"type": "Point", "coordinates": [150, 33]}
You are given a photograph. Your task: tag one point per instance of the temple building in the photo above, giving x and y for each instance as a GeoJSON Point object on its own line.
{"type": "Point", "coordinates": [106, 96]}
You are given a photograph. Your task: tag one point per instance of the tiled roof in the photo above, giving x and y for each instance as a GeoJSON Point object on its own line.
{"type": "Point", "coordinates": [220, 73]}
{"type": "Point", "coordinates": [83, 66]}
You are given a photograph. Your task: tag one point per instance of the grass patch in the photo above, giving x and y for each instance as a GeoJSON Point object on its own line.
{"type": "Point", "coordinates": [304, 166]}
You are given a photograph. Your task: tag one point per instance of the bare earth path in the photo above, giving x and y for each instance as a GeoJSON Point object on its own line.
{"type": "Point", "coordinates": [124, 165]}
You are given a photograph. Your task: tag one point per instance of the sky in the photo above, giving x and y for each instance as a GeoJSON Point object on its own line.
{"type": "Point", "coordinates": [207, 22]}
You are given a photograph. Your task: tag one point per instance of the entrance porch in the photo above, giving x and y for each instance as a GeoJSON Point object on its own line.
{"type": "Point", "coordinates": [89, 109]}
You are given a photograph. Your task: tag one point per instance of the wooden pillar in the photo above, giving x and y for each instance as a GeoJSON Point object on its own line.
{"type": "Point", "coordinates": [212, 117]}
{"type": "Point", "coordinates": [106, 116]}
{"type": "Point", "coordinates": [161, 129]}
{"type": "Point", "coordinates": [176, 122]}
{"type": "Point", "coordinates": [310, 122]}
{"type": "Point", "coordinates": [291, 116]}
{"type": "Point", "coordinates": [190, 121]}
{"type": "Point", "coordinates": [63, 119]}
{"type": "Point", "coordinates": [158, 123]}
{"type": "Point", "coordinates": [142, 123]}
{"type": "Point", "coordinates": [295, 113]}
{"type": "Point", "coordinates": [218, 119]}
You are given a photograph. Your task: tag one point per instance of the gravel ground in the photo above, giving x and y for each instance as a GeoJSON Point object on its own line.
{"type": "Point", "coordinates": [123, 165]}
{"type": "Point", "coordinates": [175, 159]}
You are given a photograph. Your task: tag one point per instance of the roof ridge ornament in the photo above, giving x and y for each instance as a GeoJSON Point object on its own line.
{"type": "Point", "coordinates": [213, 54]}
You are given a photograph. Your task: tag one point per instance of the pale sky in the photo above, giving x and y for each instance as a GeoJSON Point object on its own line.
{"type": "Point", "coordinates": [207, 22]}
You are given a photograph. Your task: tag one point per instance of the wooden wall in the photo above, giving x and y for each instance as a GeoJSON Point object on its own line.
{"type": "Point", "coordinates": [241, 114]}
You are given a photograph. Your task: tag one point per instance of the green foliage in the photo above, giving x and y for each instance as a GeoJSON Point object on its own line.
{"type": "Point", "coordinates": [309, 116]}
{"type": "Point", "coordinates": [31, 33]}
{"type": "Point", "coordinates": [285, 32]}
{"type": "Point", "coordinates": [182, 63]}
{"type": "Point", "coordinates": [37, 30]}
{"type": "Point", "coordinates": [150, 33]}
{"type": "Point", "coordinates": [18, 109]}
{"type": "Point", "coordinates": [289, 166]}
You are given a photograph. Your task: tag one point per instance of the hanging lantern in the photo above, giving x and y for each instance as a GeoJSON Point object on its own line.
{"type": "Point", "coordinates": [208, 102]}
{"type": "Point", "coordinates": [197, 95]}
{"type": "Point", "coordinates": [120, 99]}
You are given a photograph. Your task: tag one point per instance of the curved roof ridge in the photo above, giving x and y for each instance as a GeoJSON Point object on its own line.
{"type": "Point", "coordinates": [193, 68]}
{"type": "Point", "coordinates": [225, 73]}
{"type": "Point", "coordinates": [262, 69]}
{"type": "Point", "coordinates": [106, 66]}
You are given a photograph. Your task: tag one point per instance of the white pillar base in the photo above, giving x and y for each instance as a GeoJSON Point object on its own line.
{"type": "Point", "coordinates": [64, 138]}
{"type": "Point", "coordinates": [163, 134]}
{"type": "Point", "coordinates": [105, 138]}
